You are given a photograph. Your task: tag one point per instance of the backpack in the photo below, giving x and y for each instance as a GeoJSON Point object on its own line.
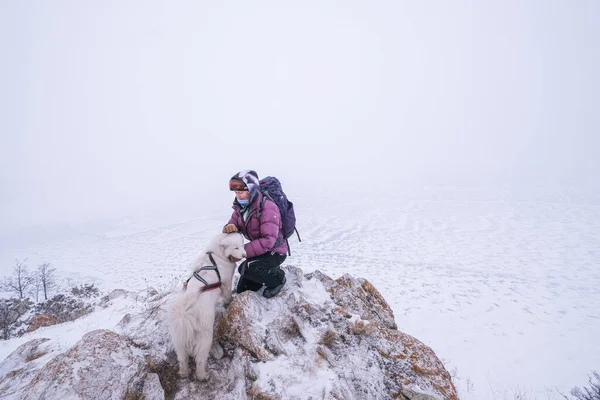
{"type": "Point", "coordinates": [270, 187]}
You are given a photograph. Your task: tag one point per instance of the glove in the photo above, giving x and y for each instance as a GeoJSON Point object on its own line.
{"type": "Point", "coordinates": [229, 228]}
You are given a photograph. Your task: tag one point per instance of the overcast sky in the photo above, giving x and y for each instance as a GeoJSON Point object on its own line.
{"type": "Point", "coordinates": [119, 105]}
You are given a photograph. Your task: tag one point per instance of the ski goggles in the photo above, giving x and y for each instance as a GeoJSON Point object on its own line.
{"type": "Point", "coordinates": [235, 185]}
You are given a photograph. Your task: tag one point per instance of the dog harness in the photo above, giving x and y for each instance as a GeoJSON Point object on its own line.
{"type": "Point", "coordinates": [207, 286]}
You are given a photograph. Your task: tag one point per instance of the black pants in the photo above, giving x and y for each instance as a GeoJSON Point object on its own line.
{"type": "Point", "coordinates": [261, 270]}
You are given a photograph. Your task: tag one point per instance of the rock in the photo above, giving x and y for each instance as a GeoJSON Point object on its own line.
{"type": "Point", "coordinates": [116, 294]}
{"type": "Point", "coordinates": [152, 388]}
{"type": "Point", "coordinates": [41, 320]}
{"type": "Point", "coordinates": [241, 331]}
{"type": "Point", "coordinates": [318, 327]}
{"type": "Point", "coordinates": [151, 292]}
{"type": "Point", "coordinates": [319, 337]}
{"type": "Point", "coordinates": [21, 365]}
{"type": "Point", "coordinates": [359, 296]}
{"type": "Point", "coordinates": [101, 366]}
{"type": "Point", "coordinates": [414, 366]}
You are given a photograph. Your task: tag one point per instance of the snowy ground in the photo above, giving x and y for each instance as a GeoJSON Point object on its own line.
{"type": "Point", "coordinates": [503, 284]}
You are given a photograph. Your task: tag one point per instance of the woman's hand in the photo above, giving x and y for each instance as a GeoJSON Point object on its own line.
{"type": "Point", "coordinates": [229, 228]}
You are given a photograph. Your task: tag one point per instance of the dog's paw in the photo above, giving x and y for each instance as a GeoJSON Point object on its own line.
{"type": "Point", "coordinates": [184, 372]}
{"type": "Point", "coordinates": [201, 375]}
{"type": "Point", "coordinates": [217, 351]}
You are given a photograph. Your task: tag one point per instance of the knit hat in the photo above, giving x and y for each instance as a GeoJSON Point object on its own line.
{"type": "Point", "coordinates": [245, 180]}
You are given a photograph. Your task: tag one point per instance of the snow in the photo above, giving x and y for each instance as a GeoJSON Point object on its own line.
{"type": "Point", "coordinates": [65, 335]}
{"type": "Point", "coordinates": [503, 284]}
{"type": "Point", "coordinates": [317, 377]}
{"type": "Point", "coordinates": [315, 293]}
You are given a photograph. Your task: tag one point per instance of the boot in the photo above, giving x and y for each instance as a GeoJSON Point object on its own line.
{"type": "Point", "coordinates": [271, 292]}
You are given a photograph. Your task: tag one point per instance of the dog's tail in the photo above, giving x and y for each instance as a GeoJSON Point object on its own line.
{"type": "Point", "coordinates": [182, 324]}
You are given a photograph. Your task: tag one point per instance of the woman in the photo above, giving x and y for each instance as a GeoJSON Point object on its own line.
{"type": "Point", "coordinates": [259, 220]}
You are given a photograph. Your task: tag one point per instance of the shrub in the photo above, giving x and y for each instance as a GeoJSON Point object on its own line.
{"type": "Point", "coordinates": [85, 291]}
{"type": "Point", "coordinates": [589, 393]}
{"type": "Point", "coordinates": [64, 308]}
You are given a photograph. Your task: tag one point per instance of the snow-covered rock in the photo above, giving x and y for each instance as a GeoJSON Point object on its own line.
{"type": "Point", "coordinates": [329, 338]}
{"type": "Point", "coordinates": [102, 365]}
{"type": "Point", "coordinates": [18, 369]}
{"type": "Point", "coordinates": [319, 338]}
{"type": "Point", "coordinates": [152, 388]}
{"type": "Point", "coordinates": [116, 294]}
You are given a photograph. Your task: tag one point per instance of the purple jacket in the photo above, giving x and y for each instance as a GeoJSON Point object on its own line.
{"type": "Point", "coordinates": [264, 234]}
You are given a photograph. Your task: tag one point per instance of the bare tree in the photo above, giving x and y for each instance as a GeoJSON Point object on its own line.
{"type": "Point", "coordinates": [36, 288]}
{"type": "Point", "coordinates": [589, 393]}
{"type": "Point", "coordinates": [20, 280]}
{"type": "Point", "coordinates": [47, 278]}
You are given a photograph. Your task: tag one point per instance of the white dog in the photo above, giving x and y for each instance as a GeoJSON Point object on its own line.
{"type": "Point", "coordinates": [192, 314]}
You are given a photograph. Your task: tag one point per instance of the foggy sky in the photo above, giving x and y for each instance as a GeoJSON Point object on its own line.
{"type": "Point", "coordinates": [112, 106]}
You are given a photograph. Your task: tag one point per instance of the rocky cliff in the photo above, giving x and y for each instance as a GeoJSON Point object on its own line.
{"type": "Point", "coordinates": [320, 338]}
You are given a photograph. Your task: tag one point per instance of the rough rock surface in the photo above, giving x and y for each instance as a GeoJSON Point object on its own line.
{"type": "Point", "coordinates": [102, 365]}
{"type": "Point", "coordinates": [115, 294]}
{"type": "Point", "coordinates": [17, 370]}
{"type": "Point", "coordinates": [338, 336]}
{"type": "Point", "coordinates": [152, 388]}
{"type": "Point", "coordinates": [318, 339]}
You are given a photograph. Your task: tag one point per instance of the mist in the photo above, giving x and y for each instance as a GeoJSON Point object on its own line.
{"type": "Point", "coordinates": [116, 107]}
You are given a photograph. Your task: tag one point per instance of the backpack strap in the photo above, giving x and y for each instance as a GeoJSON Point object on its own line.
{"type": "Point", "coordinates": [298, 234]}
{"type": "Point", "coordinates": [288, 243]}
{"type": "Point", "coordinates": [264, 197]}
{"type": "Point", "coordinates": [260, 206]}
